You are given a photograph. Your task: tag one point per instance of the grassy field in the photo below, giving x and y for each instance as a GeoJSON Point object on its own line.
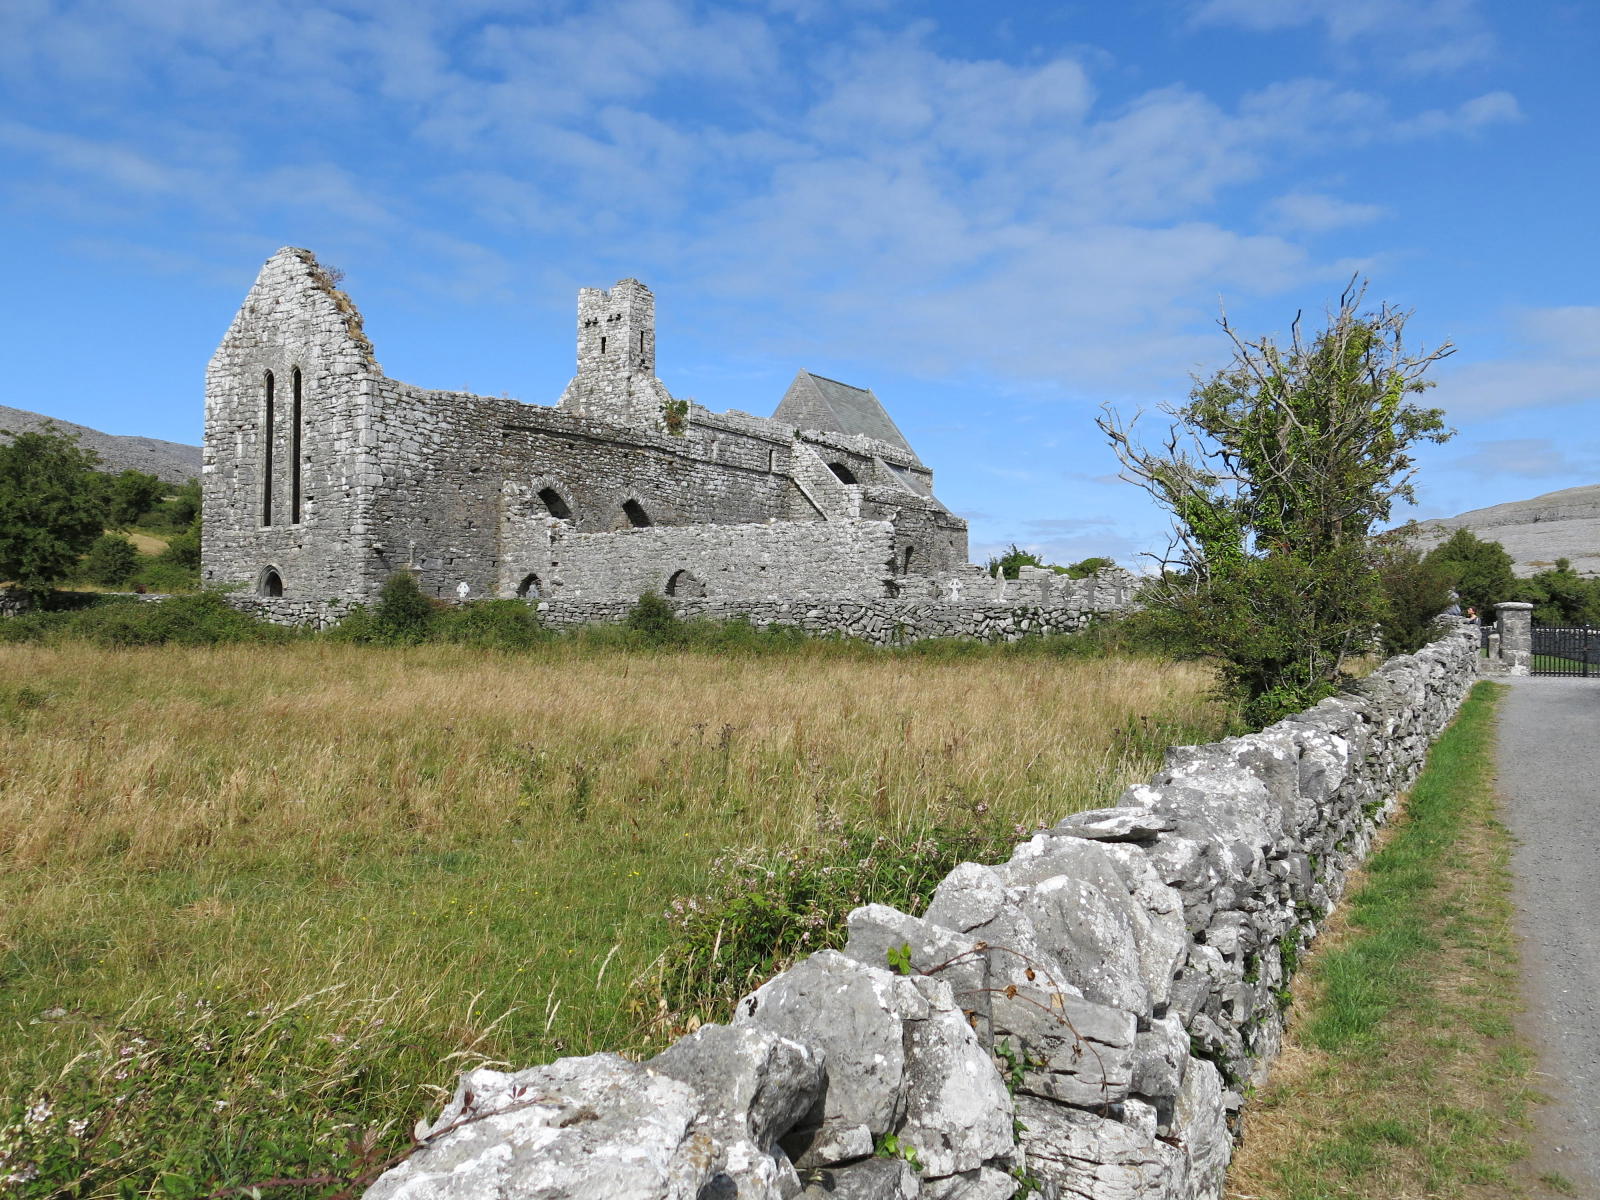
{"type": "Point", "coordinates": [253, 896]}
{"type": "Point", "coordinates": [1402, 1075]}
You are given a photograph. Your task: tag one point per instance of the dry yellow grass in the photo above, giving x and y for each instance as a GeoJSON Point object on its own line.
{"type": "Point", "coordinates": [487, 841]}
{"type": "Point", "coordinates": [435, 855]}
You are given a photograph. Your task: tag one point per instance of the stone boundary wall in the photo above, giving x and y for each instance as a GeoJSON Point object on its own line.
{"type": "Point", "coordinates": [279, 610]}
{"type": "Point", "coordinates": [1085, 1015]}
{"type": "Point", "coordinates": [880, 622]}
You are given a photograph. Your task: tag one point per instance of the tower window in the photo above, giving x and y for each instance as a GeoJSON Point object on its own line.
{"type": "Point", "coordinates": [641, 341]}
{"type": "Point", "coordinates": [554, 504]}
{"type": "Point", "coordinates": [635, 513]}
{"type": "Point", "coordinates": [602, 343]}
{"type": "Point", "coordinates": [294, 443]}
{"type": "Point", "coordinates": [267, 423]}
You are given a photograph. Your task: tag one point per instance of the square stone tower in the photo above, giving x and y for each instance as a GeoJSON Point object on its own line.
{"type": "Point", "coordinates": [616, 379]}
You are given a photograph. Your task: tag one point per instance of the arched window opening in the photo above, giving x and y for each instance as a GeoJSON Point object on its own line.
{"type": "Point", "coordinates": [845, 474]}
{"type": "Point", "coordinates": [905, 560]}
{"type": "Point", "coordinates": [554, 504]}
{"type": "Point", "coordinates": [635, 513]}
{"type": "Point", "coordinates": [684, 583]}
{"type": "Point", "coordinates": [271, 583]}
{"type": "Point", "coordinates": [530, 588]}
{"type": "Point", "coordinates": [267, 424]}
{"type": "Point", "coordinates": [294, 443]}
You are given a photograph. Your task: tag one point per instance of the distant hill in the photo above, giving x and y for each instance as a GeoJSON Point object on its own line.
{"type": "Point", "coordinates": [171, 461]}
{"type": "Point", "coordinates": [1536, 532]}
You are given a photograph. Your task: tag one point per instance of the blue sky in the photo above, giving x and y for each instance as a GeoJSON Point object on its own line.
{"type": "Point", "coordinates": [998, 222]}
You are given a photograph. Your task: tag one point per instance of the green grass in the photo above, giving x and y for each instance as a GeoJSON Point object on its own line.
{"type": "Point", "coordinates": [1402, 1075]}
{"type": "Point", "coordinates": [259, 900]}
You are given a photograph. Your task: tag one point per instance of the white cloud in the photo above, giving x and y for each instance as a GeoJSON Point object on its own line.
{"type": "Point", "coordinates": [1531, 458]}
{"type": "Point", "coordinates": [1315, 212]}
{"type": "Point", "coordinates": [1557, 363]}
{"type": "Point", "coordinates": [1418, 36]}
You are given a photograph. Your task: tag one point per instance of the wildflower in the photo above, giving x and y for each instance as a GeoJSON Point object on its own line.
{"type": "Point", "coordinates": [40, 1112]}
{"type": "Point", "coordinates": [76, 1126]}
{"type": "Point", "coordinates": [218, 1105]}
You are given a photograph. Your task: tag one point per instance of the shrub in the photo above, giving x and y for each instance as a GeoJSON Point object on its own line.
{"type": "Point", "coordinates": [203, 619]}
{"type": "Point", "coordinates": [654, 621]}
{"type": "Point", "coordinates": [1415, 591]}
{"type": "Point", "coordinates": [491, 625]}
{"type": "Point", "coordinates": [111, 561]}
{"type": "Point", "coordinates": [159, 575]}
{"type": "Point", "coordinates": [403, 614]}
{"type": "Point", "coordinates": [768, 908]}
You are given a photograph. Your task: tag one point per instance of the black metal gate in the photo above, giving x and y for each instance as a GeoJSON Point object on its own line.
{"type": "Point", "coordinates": [1566, 650]}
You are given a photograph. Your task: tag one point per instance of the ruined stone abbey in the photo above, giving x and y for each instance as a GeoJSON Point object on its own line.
{"type": "Point", "coordinates": [322, 477]}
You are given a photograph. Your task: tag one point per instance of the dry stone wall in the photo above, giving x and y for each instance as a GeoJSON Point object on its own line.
{"type": "Point", "coordinates": [879, 622]}
{"type": "Point", "coordinates": [1084, 1016]}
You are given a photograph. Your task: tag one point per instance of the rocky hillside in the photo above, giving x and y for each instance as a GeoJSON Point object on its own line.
{"type": "Point", "coordinates": [172, 461]}
{"type": "Point", "coordinates": [1536, 532]}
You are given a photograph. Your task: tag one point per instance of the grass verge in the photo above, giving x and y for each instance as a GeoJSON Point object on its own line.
{"type": "Point", "coordinates": [1402, 1075]}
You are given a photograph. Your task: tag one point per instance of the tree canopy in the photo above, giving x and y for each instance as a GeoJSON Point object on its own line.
{"type": "Point", "coordinates": [1275, 473]}
{"type": "Point", "coordinates": [52, 507]}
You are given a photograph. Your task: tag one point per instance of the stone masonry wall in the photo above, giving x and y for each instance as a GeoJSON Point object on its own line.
{"type": "Point", "coordinates": [879, 622]}
{"type": "Point", "coordinates": [1122, 973]}
{"type": "Point", "coordinates": [786, 558]}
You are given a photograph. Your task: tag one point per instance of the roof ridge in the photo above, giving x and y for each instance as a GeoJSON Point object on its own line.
{"type": "Point", "coordinates": [840, 382]}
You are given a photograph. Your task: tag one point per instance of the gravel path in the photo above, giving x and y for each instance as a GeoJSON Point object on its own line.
{"type": "Point", "coordinates": [1549, 761]}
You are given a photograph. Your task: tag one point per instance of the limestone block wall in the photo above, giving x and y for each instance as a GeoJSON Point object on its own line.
{"type": "Point", "coordinates": [1085, 1014]}
{"type": "Point", "coordinates": [879, 622]}
{"type": "Point", "coordinates": [755, 562]}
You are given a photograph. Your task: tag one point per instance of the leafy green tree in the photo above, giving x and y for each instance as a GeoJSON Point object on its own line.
{"type": "Point", "coordinates": [1009, 565]}
{"type": "Point", "coordinates": [130, 495]}
{"type": "Point", "coordinates": [51, 507]}
{"type": "Point", "coordinates": [1275, 473]}
{"type": "Point", "coordinates": [111, 561]}
{"type": "Point", "coordinates": [1480, 571]}
{"type": "Point", "coordinates": [1416, 589]}
{"type": "Point", "coordinates": [183, 549]}
{"type": "Point", "coordinates": [179, 510]}
{"type": "Point", "coordinates": [1086, 567]}
{"type": "Point", "coordinates": [1561, 596]}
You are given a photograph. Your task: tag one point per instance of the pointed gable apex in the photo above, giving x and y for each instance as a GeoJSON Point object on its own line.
{"type": "Point", "coordinates": [817, 402]}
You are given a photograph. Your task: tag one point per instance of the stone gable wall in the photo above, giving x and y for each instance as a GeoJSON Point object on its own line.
{"type": "Point", "coordinates": [1128, 962]}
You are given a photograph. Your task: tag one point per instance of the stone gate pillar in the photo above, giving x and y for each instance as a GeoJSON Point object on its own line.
{"type": "Point", "coordinates": [1516, 636]}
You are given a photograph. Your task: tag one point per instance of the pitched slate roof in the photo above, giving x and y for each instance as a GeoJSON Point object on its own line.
{"type": "Point", "coordinates": [817, 402]}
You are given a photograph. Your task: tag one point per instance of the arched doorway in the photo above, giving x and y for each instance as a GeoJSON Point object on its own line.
{"type": "Point", "coordinates": [686, 584]}
{"type": "Point", "coordinates": [530, 588]}
{"type": "Point", "coordinates": [271, 583]}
